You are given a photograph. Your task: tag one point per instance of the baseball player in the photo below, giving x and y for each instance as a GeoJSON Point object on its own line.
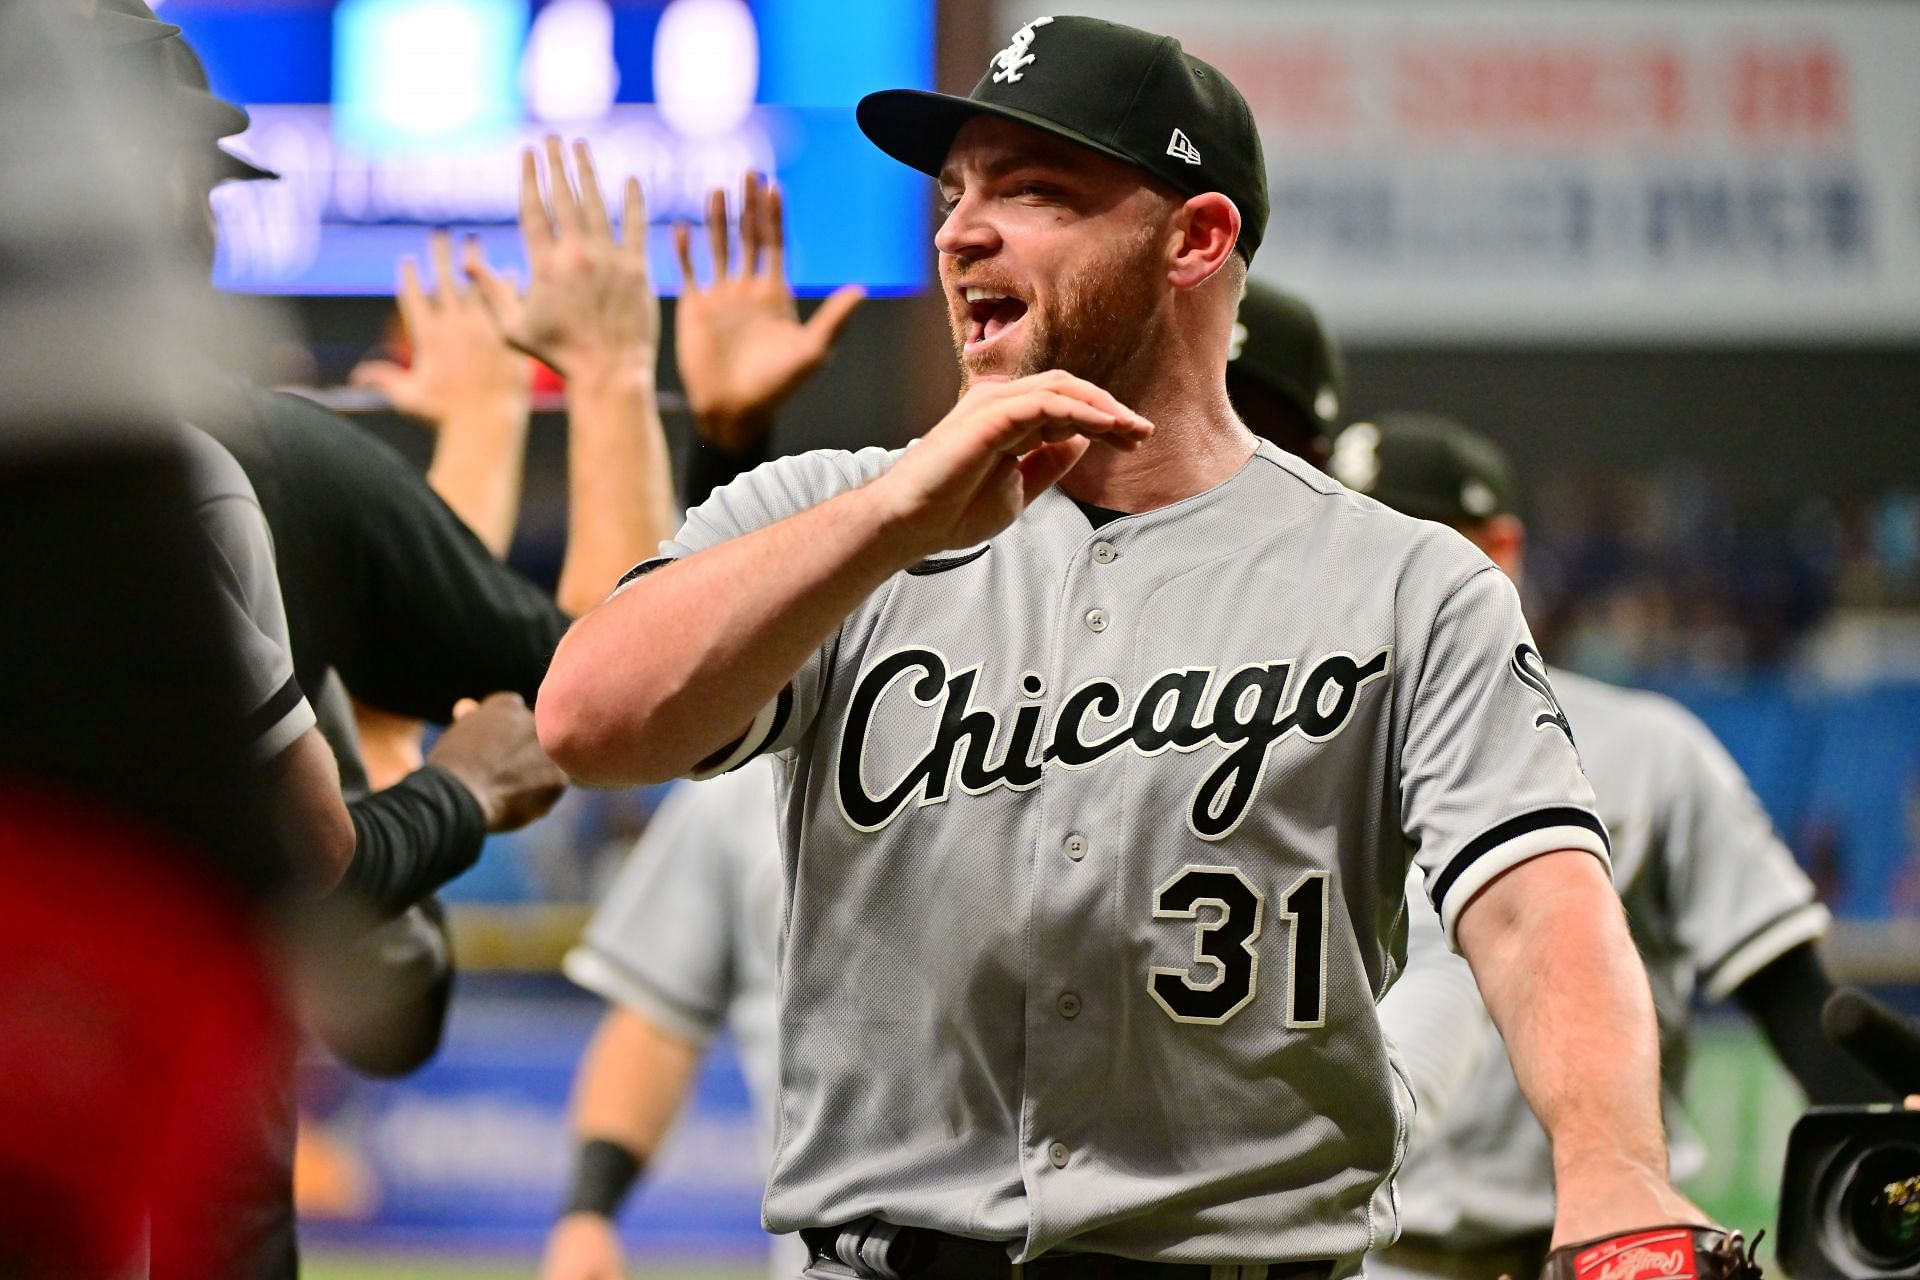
{"type": "Point", "coordinates": [684, 943]}
{"type": "Point", "coordinates": [1715, 902]}
{"type": "Point", "coordinates": [1106, 736]}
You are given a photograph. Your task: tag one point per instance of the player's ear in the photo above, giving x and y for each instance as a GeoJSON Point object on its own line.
{"type": "Point", "coordinates": [1505, 543]}
{"type": "Point", "coordinates": [1206, 228]}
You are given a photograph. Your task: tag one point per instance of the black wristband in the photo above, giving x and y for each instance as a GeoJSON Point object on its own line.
{"type": "Point", "coordinates": [410, 839]}
{"type": "Point", "coordinates": [603, 1173]}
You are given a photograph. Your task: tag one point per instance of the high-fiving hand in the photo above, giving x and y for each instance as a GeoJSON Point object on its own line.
{"type": "Point", "coordinates": [590, 307]}
{"type": "Point", "coordinates": [741, 345]}
{"type": "Point", "coordinates": [461, 366]}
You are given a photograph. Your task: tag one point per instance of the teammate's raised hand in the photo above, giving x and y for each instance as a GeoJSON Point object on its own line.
{"type": "Point", "coordinates": [1003, 445]}
{"type": "Point", "coordinates": [590, 305]}
{"type": "Point", "coordinates": [741, 345]}
{"type": "Point", "coordinates": [461, 367]}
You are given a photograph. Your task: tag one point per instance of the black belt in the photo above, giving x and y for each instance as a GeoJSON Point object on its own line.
{"type": "Point", "coordinates": [875, 1250]}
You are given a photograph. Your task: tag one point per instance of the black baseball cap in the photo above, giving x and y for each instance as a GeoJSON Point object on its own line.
{"type": "Point", "coordinates": [194, 113]}
{"type": "Point", "coordinates": [1280, 343]}
{"type": "Point", "coordinates": [1425, 465]}
{"type": "Point", "coordinates": [1118, 90]}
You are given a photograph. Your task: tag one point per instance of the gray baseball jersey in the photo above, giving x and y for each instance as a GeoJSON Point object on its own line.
{"type": "Point", "coordinates": [1096, 845]}
{"type": "Point", "coordinates": [1712, 897]}
{"type": "Point", "coordinates": [243, 567]}
{"type": "Point", "coordinates": [688, 935]}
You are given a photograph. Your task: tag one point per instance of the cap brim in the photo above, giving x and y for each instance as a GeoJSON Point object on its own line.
{"type": "Point", "coordinates": [917, 127]}
{"type": "Point", "coordinates": [124, 30]}
{"type": "Point", "coordinates": [229, 167]}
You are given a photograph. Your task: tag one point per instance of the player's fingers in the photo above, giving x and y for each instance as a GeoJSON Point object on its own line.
{"type": "Point", "coordinates": [496, 293]}
{"type": "Point", "coordinates": [751, 194]}
{"type": "Point", "coordinates": [1042, 468]}
{"type": "Point", "coordinates": [536, 225]}
{"type": "Point", "coordinates": [1063, 383]}
{"type": "Point", "coordinates": [683, 253]}
{"type": "Point", "coordinates": [566, 206]}
{"type": "Point", "coordinates": [830, 320]}
{"type": "Point", "coordinates": [446, 284]}
{"type": "Point", "coordinates": [411, 297]}
{"type": "Point", "coordinates": [593, 204]}
{"type": "Point", "coordinates": [773, 230]}
{"type": "Point", "coordinates": [717, 232]}
{"type": "Point", "coordinates": [633, 216]}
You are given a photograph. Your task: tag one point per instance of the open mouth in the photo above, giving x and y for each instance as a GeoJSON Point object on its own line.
{"type": "Point", "coordinates": [990, 314]}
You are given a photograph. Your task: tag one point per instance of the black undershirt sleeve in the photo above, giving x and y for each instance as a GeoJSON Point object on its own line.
{"type": "Point", "coordinates": [410, 839]}
{"type": "Point", "coordinates": [1786, 998]}
{"type": "Point", "coordinates": [383, 582]}
{"type": "Point", "coordinates": [709, 466]}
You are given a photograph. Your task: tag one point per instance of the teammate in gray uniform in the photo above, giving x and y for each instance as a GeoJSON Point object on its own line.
{"type": "Point", "coordinates": [1716, 903]}
{"type": "Point", "coordinates": [685, 942]}
{"type": "Point", "coordinates": [1106, 737]}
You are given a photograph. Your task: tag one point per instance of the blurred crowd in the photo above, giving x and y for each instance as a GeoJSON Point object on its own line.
{"type": "Point", "coordinates": [1659, 574]}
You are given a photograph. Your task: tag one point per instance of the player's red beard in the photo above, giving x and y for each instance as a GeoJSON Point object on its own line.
{"type": "Point", "coordinates": [1100, 319]}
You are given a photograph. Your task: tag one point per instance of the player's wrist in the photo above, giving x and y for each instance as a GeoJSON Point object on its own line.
{"type": "Point", "coordinates": [604, 1173]}
{"type": "Point", "coordinates": [896, 536]}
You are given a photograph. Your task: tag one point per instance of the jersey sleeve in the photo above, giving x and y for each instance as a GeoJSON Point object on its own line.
{"type": "Point", "coordinates": [662, 942]}
{"type": "Point", "coordinates": [1489, 776]}
{"type": "Point", "coordinates": [1739, 899]}
{"type": "Point", "coordinates": [277, 712]}
{"type": "Point", "coordinates": [764, 496]}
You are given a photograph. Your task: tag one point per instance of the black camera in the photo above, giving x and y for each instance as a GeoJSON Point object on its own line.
{"type": "Point", "coordinates": [1850, 1197]}
{"type": "Point", "coordinates": [1850, 1193]}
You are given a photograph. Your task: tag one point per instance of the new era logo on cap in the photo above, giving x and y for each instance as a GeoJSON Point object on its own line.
{"type": "Point", "coordinates": [1180, 149]}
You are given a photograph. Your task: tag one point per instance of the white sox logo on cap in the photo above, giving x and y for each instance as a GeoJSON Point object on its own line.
{"type": "Point", "coordinates": [1011, 59]}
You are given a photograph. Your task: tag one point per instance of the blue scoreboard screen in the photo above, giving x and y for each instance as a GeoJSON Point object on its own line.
{"type": "Point", "coordinates": [387, 117]}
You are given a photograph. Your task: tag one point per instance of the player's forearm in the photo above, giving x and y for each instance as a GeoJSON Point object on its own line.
{"type": "Point", "coordinates": [620, 501]}
{"type": "Point", "coordinates": [633, 1080]}
{"type": "Point", "coordinates": [675, 667]}
{"type": "Point", "coordinates": [1549, 947]}
{"type": "Point", "coordinates": [477, 468]}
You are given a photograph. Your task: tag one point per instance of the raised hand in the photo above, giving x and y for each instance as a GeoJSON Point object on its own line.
{"type": "Point", "coordinates": [589, 309]}
{"type": "Point", "coordinates": [462, 368]}
{"type": "Point", "coordinates": [1002, 445]}
{"type": "Point", "coordinates": [739, 340]}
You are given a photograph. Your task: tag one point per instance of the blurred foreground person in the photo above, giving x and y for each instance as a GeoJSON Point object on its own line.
{"type": "Point", "coordinates": [1716, 904]}
{"type": "Point", "coordinates": [139, 866]}
{"type": "Point", "coordinates": [385, 587]}
{"type": "Point", "coordinates": [687, 938]}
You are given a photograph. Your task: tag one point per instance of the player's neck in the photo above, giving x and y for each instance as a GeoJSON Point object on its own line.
{"type": "Point", "coordinates": [1197, 443]}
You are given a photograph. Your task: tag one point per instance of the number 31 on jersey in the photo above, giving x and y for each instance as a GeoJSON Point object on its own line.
{"type": "Point", "coordinates": [1225, 975]}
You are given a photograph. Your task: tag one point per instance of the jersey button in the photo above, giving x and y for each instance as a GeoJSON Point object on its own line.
{"type": "Point", "coordinates": [1075, 847]}
{"type": "Point", "coordinates": [1057, 1154]}
{"type": "Point", "coordinates": [1103, 553]}
{"type": "Point", "coordinates": [1096, 619]}
{"type": "Point", "coordinates": [1069, 1005]}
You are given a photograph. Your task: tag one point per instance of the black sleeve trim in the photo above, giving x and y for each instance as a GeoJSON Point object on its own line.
{"type": "Point", "coordinates": [271, 712]}
{"type": "Point", "coordinates": [782, 712]}
{"type": "Point", "coordinates": [1512, 829]}
{"type": "Point", "coordinates": [641, 570]}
